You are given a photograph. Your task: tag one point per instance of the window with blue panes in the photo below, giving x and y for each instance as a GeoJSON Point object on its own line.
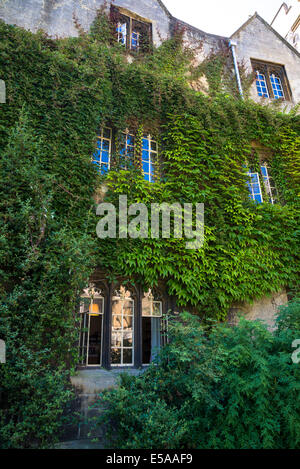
{"type": "Point", "coordinates": [122, 33]}
{"type": "Point", "coordinates": [102, 155]}
{"type": "Point", "coordinates": [135, 40]}
{"type": "Point", "coordinates": [127, 148]}
{"type": "Point", "coordinates": [132, 31]}
{"type": "Point", "coordinates": [271, 80]}
{"type": "Point", "coordinates": [276, 86]}
{"type": "Point", "coordinates": [269, 183]}
{"type": "Point", "coordinates": [254, 187]}
{"type": "Point", "coordinates": [261, 85]}
{"type": "Point", "coordinates": [149, 157]}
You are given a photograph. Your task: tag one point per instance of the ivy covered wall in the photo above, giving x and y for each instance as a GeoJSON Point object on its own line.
{"type": "Point", "coordinates": [59, 93]}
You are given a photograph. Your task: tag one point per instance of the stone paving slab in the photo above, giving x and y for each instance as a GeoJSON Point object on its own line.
{"type": "Point", "coordinates": [80, 444]}
{"type": "Point", "coordinates": [93, 381]}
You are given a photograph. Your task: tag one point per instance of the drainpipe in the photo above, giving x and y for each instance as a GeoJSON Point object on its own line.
{"type": "Point", "coordinates": [232, 45]}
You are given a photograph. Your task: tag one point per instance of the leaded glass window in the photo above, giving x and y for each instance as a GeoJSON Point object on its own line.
{"type": "Point", "coordinates": [135, 40]}
{"type": "Point", "coordinates": [154, 327]}
{"type": "Point", "coordinates": [271, 80]}
{"type": "Point", "coordinates": [276, 86]}
{"type": "Point", "coordinates": [254, 187]}
{"type": "Point", "coordinates": [149, 157]}
{"type": "Point", "coordinates": [102, 155]}
{"type": "Point", "coordinates": [122, 33]}
{"type": "Point", "coordinates": [269, 183]}
{"type": "Point", "coordinates": [134, 32]}
{"type": "Point", "coordinates": [122, 333]}
{"type": "Point", "coordinates": [261, 85]}
{"type": "Point", "coordinates": [127, 148]}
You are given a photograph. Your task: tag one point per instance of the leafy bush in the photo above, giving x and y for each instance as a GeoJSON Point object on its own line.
{"type": "Point", "coordinates": [216, 387]}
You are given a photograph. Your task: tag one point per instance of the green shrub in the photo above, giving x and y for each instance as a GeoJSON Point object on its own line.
{"type": "Point", "coordinates": [216, 387]}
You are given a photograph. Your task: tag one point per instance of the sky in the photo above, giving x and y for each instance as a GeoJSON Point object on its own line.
{"type": "Point", "coordinates": [221, 17]}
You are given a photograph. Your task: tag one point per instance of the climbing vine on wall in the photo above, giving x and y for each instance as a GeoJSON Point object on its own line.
{"type": "Point", "coordinates": [59, 94]}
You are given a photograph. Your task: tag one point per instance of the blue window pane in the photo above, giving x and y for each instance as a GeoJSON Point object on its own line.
{"type": "Point", "coordinates": [105, 157]}
{"type": "Point", "coordinates": [98, 143]}
{"type": "Point", "coordinates": [121, 30]}
{"type": "Point", "coordinates": [258, 198]}
{"type": "Point", "coordinates": [147, 177]}
{"type": "Point", "coordinates": [96, 155]}
{"type": "Point", "coordinates": [130, 140]}
{"type": "Point", "coordinates": [146, 167]}
{"type": "Point", "coordinates": [261, 85]}
{"type": "Point", "coordinates": [145, 155]}
{"type": "Point", "coordinates": [145, 144]}
{"type": "Point", "coordinates": [104, 168]}
{"type": "Point", "coordinates": [134, 40]}
{"type": "Point", "coordinates": [264, 170]}
{"type": "Point", "coordinates": [105, 145]}
{"type": "Point", "coordinates": [152, 168]}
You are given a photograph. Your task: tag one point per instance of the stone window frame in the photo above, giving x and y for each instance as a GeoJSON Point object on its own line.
{"type": "Point", "coordinates": [268, 69]}
{"type": "Point", "coordinates": [135, 24]}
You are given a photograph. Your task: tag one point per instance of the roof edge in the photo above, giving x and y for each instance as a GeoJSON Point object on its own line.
{"type": "Point", "coordinates": [194, 28]}
{"type": "Point", "coordinates": [256, 15]}
{"type": "Point", "coordinates": [163, 6]}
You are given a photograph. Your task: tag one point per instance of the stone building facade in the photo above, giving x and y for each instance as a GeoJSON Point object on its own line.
{"type": "Point", "coordinates": [256, 46]}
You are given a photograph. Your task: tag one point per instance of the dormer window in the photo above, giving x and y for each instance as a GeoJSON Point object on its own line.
{"type": "Point", "coordinates": [271, 80]}
{"type": "Point", "coordinates": [132, 31]}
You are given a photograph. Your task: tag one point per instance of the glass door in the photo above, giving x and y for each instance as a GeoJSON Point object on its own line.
{"type": "Point", "coordinates": [152, 328]}
{"type": "Point", "coordinates": [91, 329]}
{"type": "Point", "coordinates": [122, 335]}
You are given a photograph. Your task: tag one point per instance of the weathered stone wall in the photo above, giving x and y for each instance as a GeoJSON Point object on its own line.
{"type": "Point", "coordinates": [56, 17]}
{"type": "Point", "coordinates": [264, 309]}
{"type": "Point", "coordinates": [257, 41]}
{"type": "Point", "coordinates": [203, 43]}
